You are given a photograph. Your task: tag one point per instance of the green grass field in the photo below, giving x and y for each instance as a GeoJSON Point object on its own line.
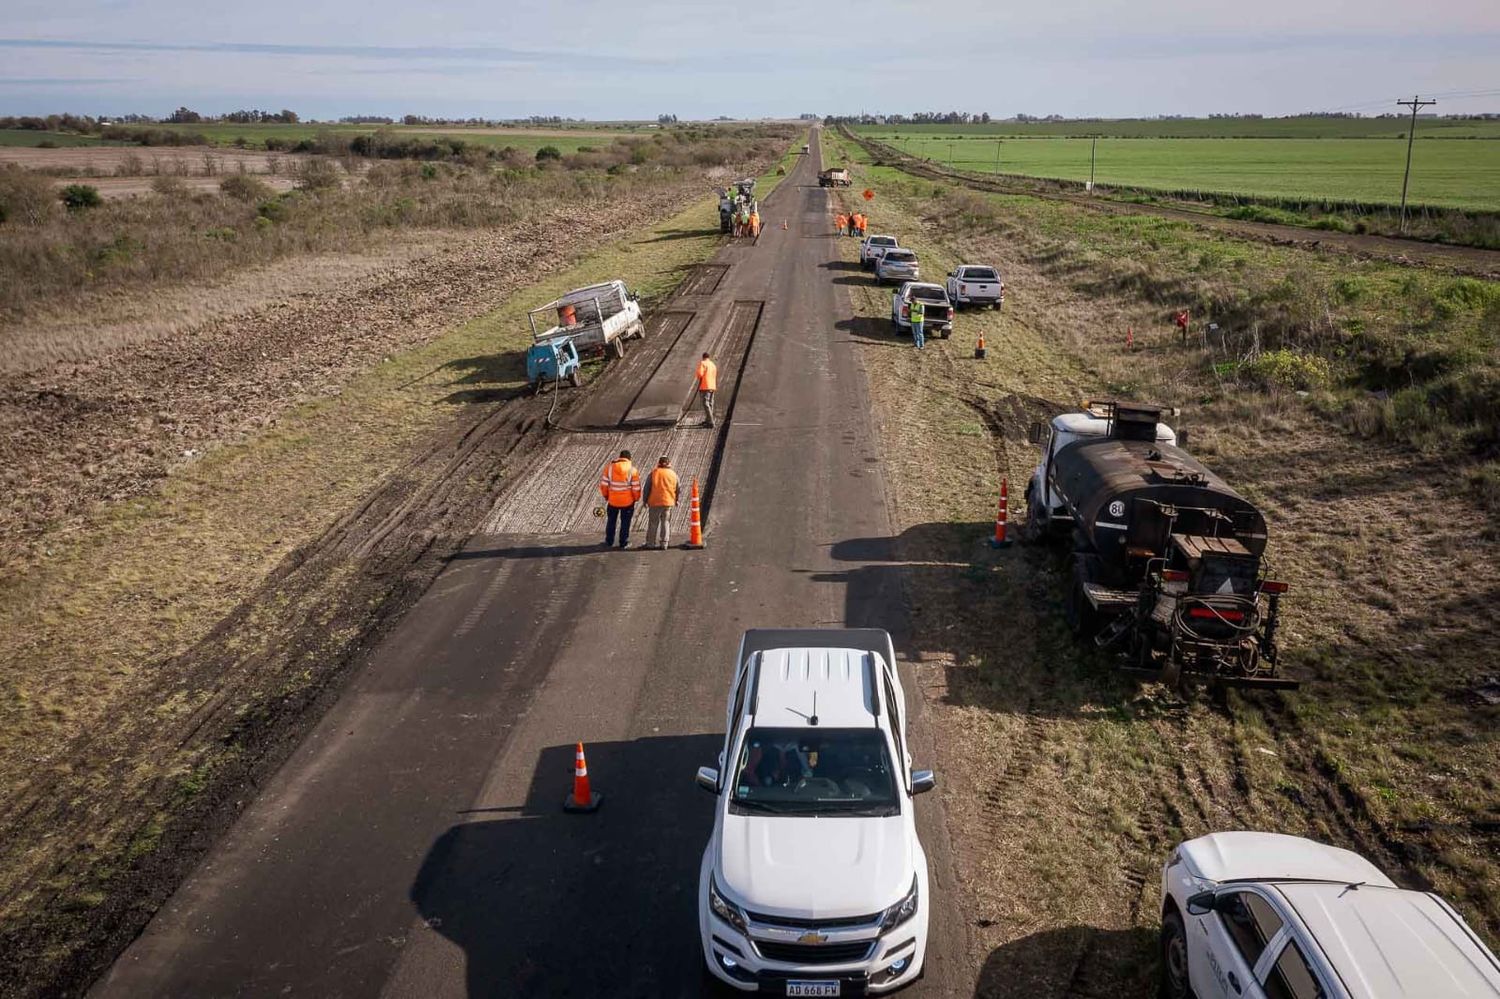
{"type": "Point", "coordinates": [1451, 173]}
{"type": "Point", "coordinates": [254, 136]}
{"type": "Point", "coordinates": [1218, 128]}
{"type": "Point", "coordinates": [28, 137]}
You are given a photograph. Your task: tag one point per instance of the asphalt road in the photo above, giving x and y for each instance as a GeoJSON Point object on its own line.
{"type": "Point", "coordinates": [414, 844]}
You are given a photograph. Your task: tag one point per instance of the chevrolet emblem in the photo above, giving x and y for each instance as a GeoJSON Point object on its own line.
{"type": "Point", "coordinates": [813, 937]}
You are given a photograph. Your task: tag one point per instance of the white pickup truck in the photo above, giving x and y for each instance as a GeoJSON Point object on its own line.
{"type": "Point", "coordinates": [1249, 915]}
{"type": "Point", "coordinates": [814, 882]}
{"type": "Point", "coordinates": [872, 248]}
{"type": "Point", "coordinates": [597, 318]}
{"type": "Point", "coordinates": [976, 284]}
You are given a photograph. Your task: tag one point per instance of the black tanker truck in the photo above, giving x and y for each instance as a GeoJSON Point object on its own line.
{"type": "Point", "coordinates": [1167, 562]}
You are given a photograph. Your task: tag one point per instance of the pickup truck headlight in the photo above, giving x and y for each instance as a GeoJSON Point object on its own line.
{"type": "Point", "coordinates": [723, 908]}
{"type": "Point", "coordinates": [902, 910]}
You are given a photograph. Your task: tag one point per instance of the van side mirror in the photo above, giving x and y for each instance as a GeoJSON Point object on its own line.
{"type": "Point", "coordinates": [1202, 903]}
{"type": "Point", "coordinates": [1037, 433]}
{"type": "Point", "coordinates": [922, 781]}
{"type": "Point", "coordinates": [708, 779]}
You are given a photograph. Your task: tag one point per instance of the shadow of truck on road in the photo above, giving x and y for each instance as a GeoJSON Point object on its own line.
{"type": "Point", "coordinates": [545, 903]}
{"type": "Point", "coordinates": [1072, 962]}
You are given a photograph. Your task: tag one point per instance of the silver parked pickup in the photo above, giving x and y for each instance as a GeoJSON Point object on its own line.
{"type": "Point", "coordinates": [976, 284]}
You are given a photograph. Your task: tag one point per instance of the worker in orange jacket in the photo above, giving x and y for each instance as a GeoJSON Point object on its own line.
{"type": "Point", "coordinates": [842, 223]}
{"type": "Point", "coordinates": [620, 485]}
{"type": "Point", "coordinates": [864, 223]}
{"type": "Point", "coordinates": [708, 384]}
{"type": "Point", "coordinates": [661, 497]}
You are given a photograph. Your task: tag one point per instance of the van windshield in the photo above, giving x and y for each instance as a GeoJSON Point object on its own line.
{"type": "Point", "coordinates": [814, 771]}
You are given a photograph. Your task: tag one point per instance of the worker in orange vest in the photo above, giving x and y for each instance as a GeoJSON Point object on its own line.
{"type": "Point", "coordinates": [842, 224]}
{"type": "Point", "coordinates": [620, 485]}
{"type": "Point", "coordinates": [708, 384]}
{"type": "Point", "coordinates": [755, 221]}
{"type": "Point", "coordinates": [661, 497]}
{"type": "Point", "coordinates": [864, 223]}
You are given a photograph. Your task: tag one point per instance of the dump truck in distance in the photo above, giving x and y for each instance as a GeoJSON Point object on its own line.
{"type": "Point", "coordinates": [1168, 560]}
{"type": "Point", "coordinates": [837, 177]}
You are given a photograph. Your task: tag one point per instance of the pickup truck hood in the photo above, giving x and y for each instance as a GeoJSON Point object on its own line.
{"type": "Point", "coordinates": [815, 868]}
{"type": "Point", "coordinates": [1239, 856]}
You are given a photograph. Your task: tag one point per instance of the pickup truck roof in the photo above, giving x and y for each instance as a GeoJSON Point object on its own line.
{"type": "Point", "coordinates": [977, 272]}
{"type": "Point", "coordinates": [881, 241]}
{"type": "Point", "coordinates": [925, 291]}
{"type": "Point", "coordinates": [1390, 942]}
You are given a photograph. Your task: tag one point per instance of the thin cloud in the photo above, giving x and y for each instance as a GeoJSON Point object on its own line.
{"type": "Point", "coordinates": [63, 81]}
{"type": "Point", "coordinates": [476, 53]}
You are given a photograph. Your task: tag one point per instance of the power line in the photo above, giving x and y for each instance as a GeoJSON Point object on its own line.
{"type": "Point", "coordinates": [1415, 103]}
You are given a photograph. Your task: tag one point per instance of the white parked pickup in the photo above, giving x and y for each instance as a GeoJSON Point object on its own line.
{"type": "Point", "coordinates": [813, 882]}
{"type": "Point", "coordinates": [872, 248]}
{"type": "Point", "coordinates": [976, 284]}
{"type": "Point", "coordinates": [1249, 915]}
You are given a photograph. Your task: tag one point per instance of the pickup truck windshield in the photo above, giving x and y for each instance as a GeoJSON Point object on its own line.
{"type": "Point", "coordinates": [899, 256]}
{"type": "Point", "coordinates": [978, 274]}
{"type": "Point", "coordinates": [882, 240]}
{"type": "Point", "coordinates": [814, 771]}
{"type": "Point", "coordinates": [930, 294]}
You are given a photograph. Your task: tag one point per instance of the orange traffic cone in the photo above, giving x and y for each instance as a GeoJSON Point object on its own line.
{"type": "Point", "coordinates": [1000, 540]}
{"type": "Point", "coordinates": [695, 519]}
{"type": "Point", "coordinates": [583, 798]}
{"type": "Point", "coordinates": [979, 349]}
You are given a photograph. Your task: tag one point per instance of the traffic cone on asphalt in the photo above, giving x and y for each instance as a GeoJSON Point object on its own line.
{"type": "Point", "coordinates": [583, 798]}
{"type": "Point", "coordinates": [979, 349]}
{"type": "Point", "coordinates": [695, 519]}
{"type": "Point", "coordinates": [1000, 540]}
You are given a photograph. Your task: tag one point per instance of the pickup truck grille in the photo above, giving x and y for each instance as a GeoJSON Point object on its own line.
{"type": "Point", "coordinates": [797, 923]}
{"type": "Point", "coordinates": [795, 953]}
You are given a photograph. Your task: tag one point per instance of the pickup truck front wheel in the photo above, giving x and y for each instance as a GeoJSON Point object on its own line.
{"type": "Point", "coordinates": [1174, 972]}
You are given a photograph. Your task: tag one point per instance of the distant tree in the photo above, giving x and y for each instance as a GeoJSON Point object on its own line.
{"type": "Point", "coordinates": [984, 119]}
{"type": "Point", "coordinates": [666, 119]}
{"type": "Point", "coordinates": [184, 116]}
{"type": "Point", "coordinates": [288, 117]}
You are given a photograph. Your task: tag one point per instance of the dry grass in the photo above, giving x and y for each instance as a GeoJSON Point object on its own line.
{"type": "Point", "coordinates": [1067, 785]}
{"type": "Point", "coordinates": [102, 617]}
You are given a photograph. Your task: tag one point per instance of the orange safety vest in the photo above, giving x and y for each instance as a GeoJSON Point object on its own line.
{"type": "Point", "coordinates": [663, 491]}
{"type": "Point", "coordinates": [843, 221]}
{"type": "Point", "coordinates": [620, 483]}
{"type": "Point", "coordinates": [708, 376]}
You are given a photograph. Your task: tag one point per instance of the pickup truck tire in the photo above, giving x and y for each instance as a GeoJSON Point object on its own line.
{"type": "Point", "coordinates": [947, 332]}
{"type": "Point", "coordinates": [1174, 976]}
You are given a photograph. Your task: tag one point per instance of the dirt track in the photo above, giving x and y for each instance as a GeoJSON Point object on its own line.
{"type": "Point", "coordinates": [1468, 260]}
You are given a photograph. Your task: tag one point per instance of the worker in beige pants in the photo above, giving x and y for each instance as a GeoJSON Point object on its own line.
{"type": "Point", "coordinates": [661, 498]}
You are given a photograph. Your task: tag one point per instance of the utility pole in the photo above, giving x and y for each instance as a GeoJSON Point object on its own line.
{"type": "Point", "coordinates": [997, 157]}
{"type": "Point", "coordinates": [1415, 103]}
{"type": "Point", "coordinates": [1093, 154]}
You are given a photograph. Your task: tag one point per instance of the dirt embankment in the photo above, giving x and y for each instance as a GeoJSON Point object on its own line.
{"type": "Point", "coordinates": [113, 422]}
{"type": "Point", "coordinates": [1470, 260]}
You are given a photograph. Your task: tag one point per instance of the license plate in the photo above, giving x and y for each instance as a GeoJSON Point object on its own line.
{"type": "Point", "coordinates": [813, 988]}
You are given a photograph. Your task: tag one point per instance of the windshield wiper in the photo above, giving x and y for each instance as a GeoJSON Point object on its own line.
{"type": "Point", "coordinates": [769, 807]}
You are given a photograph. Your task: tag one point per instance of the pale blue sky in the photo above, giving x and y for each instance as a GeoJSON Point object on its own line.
{"type": "Point", "coordinates": [596, 59]}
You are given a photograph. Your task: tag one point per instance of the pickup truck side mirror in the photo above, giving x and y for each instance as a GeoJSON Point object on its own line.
{"type": "Point", "coordinates": [1202, 903]}
{"type": "Point", "coordinates": [922, 781]}
{"type": "Point", "coordinates": [708, 779]}
{"type": "Point", "coordinates": [1037, 433]}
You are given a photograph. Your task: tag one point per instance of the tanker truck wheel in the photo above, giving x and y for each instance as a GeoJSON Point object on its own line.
{"type": "Point", "coordinates": [1082, 617]}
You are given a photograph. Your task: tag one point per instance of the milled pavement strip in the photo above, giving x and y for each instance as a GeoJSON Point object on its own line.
{"type": "Point", "coordinates": [414, 844]}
